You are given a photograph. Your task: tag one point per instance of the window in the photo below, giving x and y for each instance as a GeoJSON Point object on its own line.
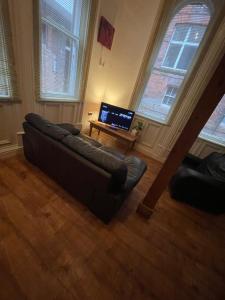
{"type": "Point", "coordinates": [179, 47]}
{"type": "Point", "coordinates": [183, 46]}
{"type": "Point", "coordinates": [7, 72]}
{"type": "Point", "coordinates": [214, 130]}
{"type": "Point", "coordinates": [170, 95]}
{"type": "Point", "coordinates": [63, 29]}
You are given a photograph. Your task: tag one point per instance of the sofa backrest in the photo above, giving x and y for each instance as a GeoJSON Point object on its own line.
{"type": "Point", "coordinates": [101, 158]}
{"type": "Point", "coordinates": [46, 127]}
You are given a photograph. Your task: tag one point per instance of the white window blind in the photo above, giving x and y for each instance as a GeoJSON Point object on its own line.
{"type": "Point", "coordinates": [175, 57]}
{"type": "Point", "coordinates": [63, 28]}
{"type": "Point", "coordinates": [7, 71]}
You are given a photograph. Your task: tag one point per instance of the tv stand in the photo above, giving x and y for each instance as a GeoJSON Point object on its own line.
{"type": "Point", "coordinates": [115, 132]}
{"type": "Point", "coordinates": [113, 128]}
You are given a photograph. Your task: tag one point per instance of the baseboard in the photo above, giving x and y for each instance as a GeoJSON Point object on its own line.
{"type": "Point", "coordinates": [10, 150]}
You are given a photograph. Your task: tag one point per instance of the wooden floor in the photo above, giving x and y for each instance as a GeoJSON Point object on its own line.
{"type": "Point", "coordinates": [52, 247]}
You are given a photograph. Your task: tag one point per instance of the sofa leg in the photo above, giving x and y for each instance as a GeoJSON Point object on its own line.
{"type": "Point", "coordinates": [144, 211]}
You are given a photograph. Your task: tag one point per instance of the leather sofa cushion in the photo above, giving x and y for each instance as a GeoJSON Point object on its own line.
{"type": "Point", "coordinates": [213, 165]}
{"type": "Point", "coordinates": [113, 152]}
{"type": "Point", "coordinates": [69, 127]}
{"type": "Point", "coordinates": [136, 168]}
{"type": "Point", "coordinates": [46, 127]}
{"type": "Point", "coordinates": [111, 164]}
{"type": "Point", "coordinates": [90, 140]}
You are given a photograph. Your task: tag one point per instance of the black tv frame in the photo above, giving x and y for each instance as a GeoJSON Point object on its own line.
{"type": "Point", "coordinates": [118, 108]}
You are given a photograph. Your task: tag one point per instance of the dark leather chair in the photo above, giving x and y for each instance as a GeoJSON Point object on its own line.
{"type": "Point", "coordinates": [201, 182]}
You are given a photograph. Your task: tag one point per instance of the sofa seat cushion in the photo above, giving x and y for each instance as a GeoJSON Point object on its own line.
{"type": "Point", "coordinates": [69, 127]}
{"type": "Point", "coordinates": [106, 161]}
{"type": "Point", "coordinates": [46, 127]}
{"type": "Point", "coordinates": [136, 168]}
{"type": "Point", "coordinates": [113, 152]}
{"type": "Point", "coordinates": [90, 140]}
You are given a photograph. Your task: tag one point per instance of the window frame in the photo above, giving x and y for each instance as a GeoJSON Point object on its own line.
{"type": "Point", "coordinates": [153, 50]}
{"type": "Point", "coordinates": [210, 139]}
{"type": "Point", "coordinates": [83, 52]}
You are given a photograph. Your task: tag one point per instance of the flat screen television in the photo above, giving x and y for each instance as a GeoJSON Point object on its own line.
{"type": "Point", "coordinates": [116, 117]}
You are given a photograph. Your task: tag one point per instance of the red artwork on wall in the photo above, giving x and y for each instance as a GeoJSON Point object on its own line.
{"type": "Point", "coordinates": [105, 33]}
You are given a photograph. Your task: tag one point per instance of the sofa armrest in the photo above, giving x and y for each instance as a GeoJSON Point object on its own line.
{"type": "Point", "coordinates": [191, 161]}
{"type": "Point", "coordinates": [136, 168]}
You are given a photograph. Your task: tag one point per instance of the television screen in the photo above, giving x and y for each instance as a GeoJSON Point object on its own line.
{"type": "Point", "coordinates": [115, 116]}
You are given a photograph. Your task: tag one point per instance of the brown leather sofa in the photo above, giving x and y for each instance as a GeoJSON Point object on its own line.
{"type": "Point", "coordinates": [98, 176]}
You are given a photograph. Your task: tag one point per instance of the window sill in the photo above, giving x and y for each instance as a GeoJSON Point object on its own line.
{"type": "Point", "coordinates": [4, 98]}
{"type": "Point", "coordinates": [212, 140]}
{"type": "Point", "coordinates": [156, 120]}
{"type": "Point", "coordinates": [46, 100]}
{"type": "Point", "coordinates": [170, 71]}
{"type": "Point", "coordinates": [6, 101]}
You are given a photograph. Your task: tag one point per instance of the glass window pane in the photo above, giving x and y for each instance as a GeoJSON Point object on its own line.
{"type": "Point", "coordinates": [170, 95]}
{"type": "Point", "coordinates": [170, 101]}
{"type": "Point", "coordinates": [3, 84]}
{"type": "Point", "coordinates": [214, 129]}
{"type": "Point", "coordinates": [64, 13]}
{"type": "Point", "coordinates": [171, 55]}
{"type": "Point", "coordinates": [3, 78]}
{"type": "Point", "coordinates": [155, 91]}
{"type": "Point", "coordinates": [174, 92]}
{"type": "Point", "coordinates": [180, 33]}
{"type": "Point", "coordinates": [3, 90]}
{"type": "Point", "coordinates": [186, 57]}
{"type": "Point", "coordinates": [196, 34]}
{"type": "Point", "coordinates": [169, 91]}
{"type": "Point", "coordinates": [59, 56]}
{"type": "Point", "coordinates": [200, 9]}
{"type": "Point", "coordinates": [166, 100]}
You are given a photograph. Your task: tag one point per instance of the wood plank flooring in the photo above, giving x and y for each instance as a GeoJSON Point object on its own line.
{"type": "Point", "coordinates": [52, 247]}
